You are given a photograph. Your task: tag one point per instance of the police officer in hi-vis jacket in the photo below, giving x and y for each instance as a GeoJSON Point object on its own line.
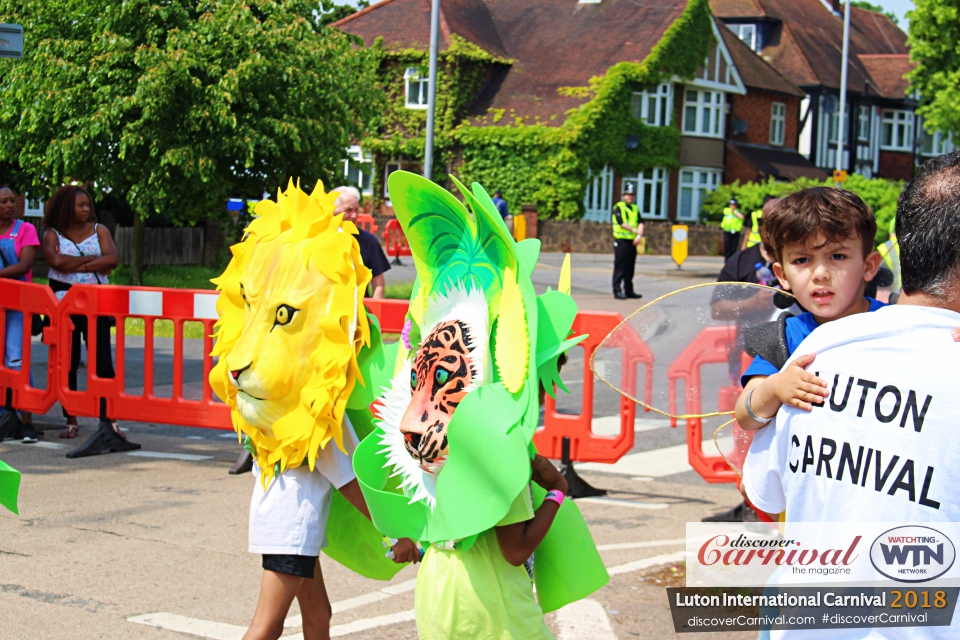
{"type": "Point", "coordinates": [627, 231]}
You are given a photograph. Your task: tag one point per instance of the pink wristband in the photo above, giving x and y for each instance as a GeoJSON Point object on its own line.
{"type": "Point", "coordinates": [555, 495]}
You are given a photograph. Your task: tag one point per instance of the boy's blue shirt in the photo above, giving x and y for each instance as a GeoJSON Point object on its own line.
{"type": "Point", "coordinates": [797, 328]}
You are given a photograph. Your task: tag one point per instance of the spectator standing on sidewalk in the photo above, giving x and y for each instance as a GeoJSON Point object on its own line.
{"type": "Point", "coordinates": [18, 250]}
{"type": "Point", "coordinates": [371, 253]}
{"type": "Point", "coordinates": [627, 233]}
{"type": "Point", "coordinates": [79, 250]}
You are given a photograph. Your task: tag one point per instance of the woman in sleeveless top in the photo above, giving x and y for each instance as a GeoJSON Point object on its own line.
{"type": "Point", "coordinates": [79, 251]}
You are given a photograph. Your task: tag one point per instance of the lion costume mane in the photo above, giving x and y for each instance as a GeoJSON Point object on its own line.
{"type": "Point", "coordinates": [290, 329]}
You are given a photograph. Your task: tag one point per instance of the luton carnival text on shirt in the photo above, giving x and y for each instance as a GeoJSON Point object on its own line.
{"type": "Point", "coordinates": [838, 460]}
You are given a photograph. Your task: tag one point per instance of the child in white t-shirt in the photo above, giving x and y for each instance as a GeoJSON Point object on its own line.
{"type": "Point", "coordinates": [288, 524]}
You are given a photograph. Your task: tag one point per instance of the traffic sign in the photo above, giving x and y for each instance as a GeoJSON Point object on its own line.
{"type": "Point", "coordinates": [11, 41]}
{"type": "Point", "coordinates": [839, 175]}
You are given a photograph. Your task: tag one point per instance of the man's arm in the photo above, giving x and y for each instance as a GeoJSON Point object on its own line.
{"type": "Point", "coordinates": [379, 287]}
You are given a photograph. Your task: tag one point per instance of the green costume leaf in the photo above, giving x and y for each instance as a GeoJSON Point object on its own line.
{"type": "Point", "coordinates": [9, 487]}
{"type": "Point", "coordinates": [567, 565]}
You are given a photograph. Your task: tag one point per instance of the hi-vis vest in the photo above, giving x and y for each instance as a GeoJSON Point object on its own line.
{"type": "Point", "coordinates": [754, 237]}
{"type": "Point", "coordinates": [731, 222]}
{"type": "Point", "coordinates": [631, 216]}
{"type": "Point", "coordinates": [890, 252]}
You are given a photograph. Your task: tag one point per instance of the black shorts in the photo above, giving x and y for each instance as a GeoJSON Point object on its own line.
{"type": "Point", "coordinates": [299, 566]}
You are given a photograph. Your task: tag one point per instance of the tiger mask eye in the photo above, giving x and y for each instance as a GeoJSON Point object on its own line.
{"type": "Point", "coordinates": [439, 380]}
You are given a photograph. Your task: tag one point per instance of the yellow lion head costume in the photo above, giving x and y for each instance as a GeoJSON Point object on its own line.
{"type": "Point", "coordinates": [290, 328]}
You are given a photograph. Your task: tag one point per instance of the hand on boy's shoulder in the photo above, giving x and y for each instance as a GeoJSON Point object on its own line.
{"type": "Point", "coordinates": [797, 387]}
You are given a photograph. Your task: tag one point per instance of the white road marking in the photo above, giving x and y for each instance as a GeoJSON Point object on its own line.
{"type": "Point", "coordinates": [192, 626]}
{"type": "Point", "coordinates": [584, 620]}
{"type": "Point", "coordinates": [657, 462]}
{"type": "Point", "coordinates": [40, 443]}
{"type": "Point", "coordinates": [610, 502]}
{"type": "Point", "coordinates": [364, 624]}
{"type": "Point", "coordinates": [190, 457]}
{"type": "Point", "coordinates": [646, 563]}
{"type": "Point", "coordinates": [640, 545]}
{"type": "Point", "coordinates": [581, 621]}
{"type": "Point", "coordinates": [367, 598]}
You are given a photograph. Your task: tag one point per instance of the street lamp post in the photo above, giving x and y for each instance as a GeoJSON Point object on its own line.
{"type": "Point", "coordinates": [843, 85]}
{"type": "Point", "coordinates": [431, 89]}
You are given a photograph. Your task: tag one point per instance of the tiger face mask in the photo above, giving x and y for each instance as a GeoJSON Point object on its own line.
{"type": "Point", "coordinates": [441, 376]}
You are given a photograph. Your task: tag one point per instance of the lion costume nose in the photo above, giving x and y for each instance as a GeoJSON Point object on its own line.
{"type": "Point", "coordinates": [235, 373]}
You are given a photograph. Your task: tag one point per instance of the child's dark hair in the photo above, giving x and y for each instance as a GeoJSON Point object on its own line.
{"type": "Point", "coordinates": [835, 214]}
{"type": "Point", "coordinates": [59, 210]}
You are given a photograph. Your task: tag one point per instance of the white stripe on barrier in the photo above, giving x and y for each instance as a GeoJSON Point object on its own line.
{"type": "Point", "coordinates": [146, 303]}
{"type": "Point", "coordinates": [205, 306]}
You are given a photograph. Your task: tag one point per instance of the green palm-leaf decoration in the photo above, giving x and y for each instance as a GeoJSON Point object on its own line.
{"type": "Point", "coordinates": [450, 245]}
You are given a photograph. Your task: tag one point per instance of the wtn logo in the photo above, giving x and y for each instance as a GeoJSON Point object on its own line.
{"type": "Point", "coordinates": [897, 554]}
{"type": "Point", "coordinates": [912, 554]}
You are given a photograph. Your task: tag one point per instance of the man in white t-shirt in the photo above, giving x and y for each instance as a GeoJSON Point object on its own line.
{"type": "Point", "coordinates": [885, 445]}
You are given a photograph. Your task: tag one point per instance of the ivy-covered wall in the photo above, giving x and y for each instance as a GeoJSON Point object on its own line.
{"type": "Point", "coordinates": [538, 163]}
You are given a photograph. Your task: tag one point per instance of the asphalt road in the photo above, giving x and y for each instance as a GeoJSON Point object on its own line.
{"type": "Point", "coordinates": [154, 545]}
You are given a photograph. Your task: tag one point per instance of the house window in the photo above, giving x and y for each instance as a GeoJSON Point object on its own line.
{"type": "Point", "coordinates": [415, 89]}
{"type": "Point", "coordinates": [747, 33]}
{"type": "Point", "coordinates": [651, 189]}
{"type": "Point", "coordinates": [936, 143]}
{"type": "Point", "coordinates": [703, 113]}
{"type": "Point", "coordinates": [897, 130]}
{"type": "Point", "coordinates": [397, 165]}
{"type": "Point", "coordinates": [598, 202]}
{"type": "Point", "coordinates": [653, 106]}
{"type": "Point", "coordinates": [863, 124]}
{"type": "Point", "coordinates": [358, 169]}
{"type": "Point", "coordinates": [778, 123]}
{"type": "Point", "coordinates": [694, 184]}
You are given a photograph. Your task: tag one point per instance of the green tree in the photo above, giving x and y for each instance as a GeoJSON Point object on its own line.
{"type": "Point", "coordinates": [333, 11]}
{"type": "Point", "coordinates": [179, 104]}
{"type": "Point", "coordinates": [934, 32]}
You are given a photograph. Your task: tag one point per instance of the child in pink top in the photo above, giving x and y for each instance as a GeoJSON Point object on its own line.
{"type": "Point", "coordinates": [18, 249]}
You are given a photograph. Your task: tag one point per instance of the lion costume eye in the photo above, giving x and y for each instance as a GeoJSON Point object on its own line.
{"type": "Point", "coordinates": [243, 294]}
{"type": "Point", "coordinates": [285, 315]}
{"type": "Point", "coordinates": [442, 376]}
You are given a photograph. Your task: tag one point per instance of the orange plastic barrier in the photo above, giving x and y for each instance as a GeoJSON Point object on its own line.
{"type": "Point", "coordinates": [711, 346]}
{"type": "Point", "coordinates": [395, 240]}
{"type": "Point", "coordinates": [30, 299]}
{"type": "Point", "coordinates": [583, 444]}
{"type": "Point", "coordinates": [390, 313]}
{"type": "Point", "coordinates": [177, 305]}
{"type": "Point", "coordinates": [366, 222]}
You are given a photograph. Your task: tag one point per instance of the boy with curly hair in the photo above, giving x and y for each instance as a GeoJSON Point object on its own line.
{"type": "Point", "coordinates": [822, 241]}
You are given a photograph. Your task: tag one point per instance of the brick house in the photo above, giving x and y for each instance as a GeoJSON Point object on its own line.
{"type": "Point", "coordinates": [802, 40]}
{"type": "Point", "coordinates": [763, 125]}
{"type": "Point", "coordinates": [533, 62]}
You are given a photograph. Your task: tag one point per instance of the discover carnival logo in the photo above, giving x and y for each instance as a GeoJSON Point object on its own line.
{"type": "Point", "coordinates": [912, 554]}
